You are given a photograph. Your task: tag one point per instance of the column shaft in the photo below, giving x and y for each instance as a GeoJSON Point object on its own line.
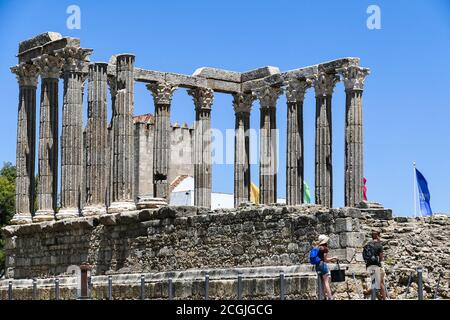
{"type": "Point", "coordinates": [353, 149]}
{"type": "Point", "coordinates": [242, 104]}
{"type": "Point", "coordinates": [203, 159]}
{"type": "Point", "coordinates": [162, 95]}
{"type": "Point", "coordinates": [354, 78]}
{"type": "Point", "coordinates": [324, 85]}
{"type": "Point", "coordinates": [96, 141]}
{"type": "Point", "coordinates": [295, 95]}
{"type": "Point", "coordinates": [242, 158]}
{"type": "Point", "coordinates": [48, 151]}
{"type": "Point", "coordinates": [75, 59]}
{"type": "Point", "coordinates": [268, 144]}
{"type": "Point", "coordinates": [26, 141]}
{"type": "Point", "coordinates": [123, 137]}
{"type": "Point", "coordinates": [71, 146]}
{"type": "Point", "coordinates": [294, 154]}
{"type": "Point", "coordinates": [161, 151]}
{"type": "Point", "coordinates": [268, 156]}
{"type": "Point", "coordinates": [324, 167]}
{"type": "Point", "coordinates": [49, 69]}
{"type": "Point", "coordinates": [203, 99]}
{"type": "Point", "coordinates": [112, 85]}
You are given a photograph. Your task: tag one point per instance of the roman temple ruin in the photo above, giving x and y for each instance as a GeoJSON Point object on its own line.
{"type": "Point", "coordinates": [98, 162]}
{"type": "Point", "coordinates": [110, 217]}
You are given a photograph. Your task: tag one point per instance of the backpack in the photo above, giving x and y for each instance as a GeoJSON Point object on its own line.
{"type": "Point", "coordinates": [369, 254]}
{"type": "Point", "coordinates": [314, 256]}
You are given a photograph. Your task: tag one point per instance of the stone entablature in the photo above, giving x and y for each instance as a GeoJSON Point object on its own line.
{"type": "Point", "coordinates": [216, 79]}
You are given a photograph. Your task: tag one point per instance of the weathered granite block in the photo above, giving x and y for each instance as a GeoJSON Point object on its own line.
{"type": "Point", "coordinates": [343, 225]}
{"type": "Point", "coordinates": [352, 239]}
{"type": "Point", "coordinates": [38, 40]}
{"type": "Point", "coordinates": [381, 214]}
{"type": "Point", "coordinates": [346, 255]}
{"type": "Point", "coordinates": [334, 242]}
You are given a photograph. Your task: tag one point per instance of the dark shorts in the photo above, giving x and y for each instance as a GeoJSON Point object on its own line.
{"type": "Point", "coordinates": [322, 268]}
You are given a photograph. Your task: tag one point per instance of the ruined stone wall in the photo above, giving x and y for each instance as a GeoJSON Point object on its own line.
{"type": "Point", "coordinates": [410, 243]}
{"type": "Point", "coordinates": [178, 239]}
{"type": "Point", "coordinates": [185, 242]}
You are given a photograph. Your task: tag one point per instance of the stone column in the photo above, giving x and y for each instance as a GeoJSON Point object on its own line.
{"type": "Point", "coordinates": [50, 69]}
{"type": "Point", "coordinates": [354, 174]}
{"type": "Point", "coordinates": [242, 103]}
{"type": "Point", "coordinates": [96, 141]}
{"type": "Point", "coordinates": [109, 150]}
{"type": "Point", "coordinates": [203, 99]}
{"type": "Point", "coordinates": [162, 94]}
{"type": "Point", "coordinates": [268, 144]}
{"type": "Point", "coordinates": [72, 131]}
{"type": "Point", "coordinates": [123, 136]}
{"type": "Point", "coordinates": [295, 94]}
{"type": "Point", "coordinates": [324, 85]}
{"type": "Point", "coordinates": [27, 77]}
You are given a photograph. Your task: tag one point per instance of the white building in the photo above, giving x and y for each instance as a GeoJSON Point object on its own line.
{"type": "Point", "coordinates": [182, 194]}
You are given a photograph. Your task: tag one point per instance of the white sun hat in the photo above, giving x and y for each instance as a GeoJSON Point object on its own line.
{"type": "Point", "coordinates": [323, 239]}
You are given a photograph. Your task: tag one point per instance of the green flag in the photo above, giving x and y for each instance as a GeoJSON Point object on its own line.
{"type": "Point", "coordinates": [306, 194]}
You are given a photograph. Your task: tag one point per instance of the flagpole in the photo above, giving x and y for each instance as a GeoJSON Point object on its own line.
{"type": "Point", "coordinates": [415, 190]}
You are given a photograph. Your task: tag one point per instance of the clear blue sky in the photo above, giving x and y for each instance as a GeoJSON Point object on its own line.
{"type": "Point", "coordinates": [406, 101]}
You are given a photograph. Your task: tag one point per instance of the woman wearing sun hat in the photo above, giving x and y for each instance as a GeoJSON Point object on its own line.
{"type": "Point", "coordinates": [322, 268]}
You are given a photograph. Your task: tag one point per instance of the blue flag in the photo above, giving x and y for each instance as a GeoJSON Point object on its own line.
{"type": "Point", "coordinates": [424, 194]}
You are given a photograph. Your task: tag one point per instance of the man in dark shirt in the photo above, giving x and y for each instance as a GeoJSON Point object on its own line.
{"type": "Point", "coordinates": [376, 267]}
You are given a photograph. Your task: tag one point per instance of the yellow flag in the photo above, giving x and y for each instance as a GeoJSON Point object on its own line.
{"type": "Point", "coordinates": [254, 193]}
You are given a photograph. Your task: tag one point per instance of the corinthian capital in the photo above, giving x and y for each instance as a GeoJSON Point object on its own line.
{"type": "Point", "coordinates": [324, 83]}
{"type": "Point", "coordinates": [162, 92]}
{"type": "Point", "coordinates": [268, 96]}
{"type": "Point", "coordinates": [26, 74]}
{"type": "Point", "coordinates": [203, 98]}
{"type": "Point", "coordinates": [296, 89]}
{"type": "Point", "coordinates": [75, 59]}
{"type": "Point", "coordinates": [49, 66]}
{"type": "Point", "coordinates": [354, 77]}
{"type": "Point", "coordinates": [242, 102]}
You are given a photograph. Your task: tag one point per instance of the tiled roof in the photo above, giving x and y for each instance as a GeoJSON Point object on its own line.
{"type": "Point", "coordinates": [177, 182]}
{"type": "Point", "coordinates": [145, 118]}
